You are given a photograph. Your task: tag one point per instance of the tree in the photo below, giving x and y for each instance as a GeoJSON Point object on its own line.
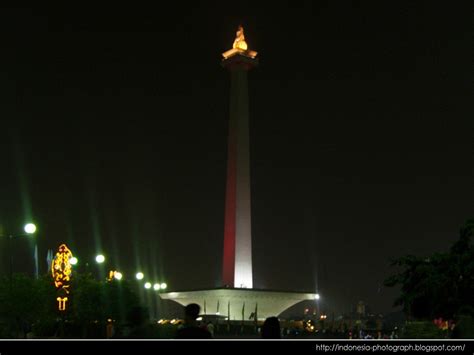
{"type": "Point", "coordinates": [441, 285]}
{"type": "Point", "coordinates": [23, 302]}
{"type": "Point", "coordinates": [26, 301]}
{"type": "Point", "coordinates": [93, 302]}
{"type": "Point", "coordinates": [87, 301]}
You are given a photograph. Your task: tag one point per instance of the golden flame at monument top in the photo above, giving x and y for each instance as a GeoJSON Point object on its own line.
{"type": "Point", "coordinates": [239, 46]}
{"type": "Point", "coordinates": [240, 39]}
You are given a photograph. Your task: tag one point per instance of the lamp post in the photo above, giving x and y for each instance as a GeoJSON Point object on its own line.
{"type": "Point", "coordinates": [317, 298]}
{"type": "Point", "coordinates": [29, 229]}
{"type": "Point", "coordinates": [100, 262]}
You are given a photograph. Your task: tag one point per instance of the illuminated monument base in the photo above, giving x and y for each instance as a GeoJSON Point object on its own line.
{"type": "Point", "coordinates": [233, 301]}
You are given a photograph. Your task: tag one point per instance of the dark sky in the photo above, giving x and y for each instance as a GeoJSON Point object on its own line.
{"type": "Point", "coordinates": [114, 128]}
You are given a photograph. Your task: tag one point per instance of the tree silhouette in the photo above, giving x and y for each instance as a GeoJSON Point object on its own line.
{"type": "Point", "coordinates": [27, 302]}
{"type": "Point", "coordinates": [441, 285]}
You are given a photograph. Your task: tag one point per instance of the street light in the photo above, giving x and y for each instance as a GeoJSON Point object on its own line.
{"type": "Point", "coordinates": [118, 275]}
{"type": "Point", "coordinates": [139, 276]}
{"type": "Point", "coordinates": [156, 287]}
{"type": "Point", "coordinates": [100, 259]}
{"type": "Point", "coordinates": [147, 285]}
{"type": "Point", "coordinates": [73, 260]}
{"type": "Point", "coordinates": [317, 298]}
{"type": "Point", "coordinates": [29, 229]}
{"type": "Point", "coordinates": [163, 286]}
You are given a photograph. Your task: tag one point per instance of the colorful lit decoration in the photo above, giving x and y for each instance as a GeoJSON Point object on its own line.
{"type": "Point", "coordinates": [61, 270]}
{"type": "Point", "coordinates": [61, 303]}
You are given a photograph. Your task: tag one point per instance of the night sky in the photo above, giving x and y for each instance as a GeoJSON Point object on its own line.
{"type": "Point", "coordinates": [114, 129]}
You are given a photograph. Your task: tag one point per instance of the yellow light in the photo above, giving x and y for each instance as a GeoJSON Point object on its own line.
{"type": "Point", "coordinates": [113, 274]}
{"type": "Point", "coordinates": [61, 267]}
{"type": "Point", "coordinates": [61, 303]}
{"type": "Point", "coordinates": [61, 270]}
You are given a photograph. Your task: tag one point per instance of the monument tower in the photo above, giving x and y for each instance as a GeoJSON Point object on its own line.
{"type": "Point", "coordinates": [237, 255]}
{"type": "Point", "coordinates": [237, 299]}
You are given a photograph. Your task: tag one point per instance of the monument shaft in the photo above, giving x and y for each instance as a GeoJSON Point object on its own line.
{"type": "Point", "coordinates": [237, 231]}
{"type": "Point", "coordinates": [237, 256]}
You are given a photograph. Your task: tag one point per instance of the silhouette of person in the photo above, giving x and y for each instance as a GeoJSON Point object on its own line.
{"type": "Point", "coordinates": [271, 328]}
{"type": "Point", "coordinates": [191, 329]}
